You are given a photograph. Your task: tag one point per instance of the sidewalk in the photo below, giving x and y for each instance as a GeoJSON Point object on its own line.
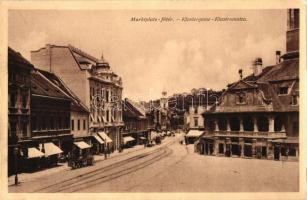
{"type": "Point", "coordinates": [62, 167]}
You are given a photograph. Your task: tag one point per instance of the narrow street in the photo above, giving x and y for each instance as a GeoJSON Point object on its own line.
{"type": "Point", "coordinates": [170, 167]}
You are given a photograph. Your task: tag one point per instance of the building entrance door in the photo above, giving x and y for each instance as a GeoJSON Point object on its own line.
{"type": "Point", "coordinates": [228, 151]}
{"type": "Point", "coordinates": [248, 150]}
{"type": "Point", "coordinates": [235, 149]}
{"type": "Point", "coordinates": [263, 152]}
{"type": "Point", "coordinates": [221, 148]}
{"type": "Point", "coordinates": [211, 148]}
{"type": "Point", "coordinates": [276, 152]}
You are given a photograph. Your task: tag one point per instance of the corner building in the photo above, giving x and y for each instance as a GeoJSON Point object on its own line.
{"type": "Point", "coordinates": [93, 82]}
{"type": "Point", "coordinates": [258, 116]}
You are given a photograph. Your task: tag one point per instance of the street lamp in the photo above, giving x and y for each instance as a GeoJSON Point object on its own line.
{"type": "Point", "coordinates": [16, 160]}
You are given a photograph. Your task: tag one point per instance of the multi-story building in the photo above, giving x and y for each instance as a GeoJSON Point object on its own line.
{"type": "Point", "coordinates": [93, 82]}
{"type": "Point", "coordinates": [194, 117]}
{"type": "Point", "coordinates": [79, 114]}
{"type": "Point", "coordinates": [19, 91]}
{"type": "Point", "coordinates": [158, 109]}
{"type": "Point", "coordinates": [136, 123]}
{"type": "Point", "coordinates": [180, 106]}
{"type": "Point", "coordinates": [50, 116]}
{"type": "Point", "coordinates": [258, 116]}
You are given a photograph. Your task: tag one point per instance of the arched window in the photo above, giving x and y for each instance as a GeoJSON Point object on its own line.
{"type": "Point", "coordinates": [248, 124]}
{"type": "Point", "coordinates": [234, 123]}
{"type": "Point", "coordinates": [278, 123]}
{"type": "Point", "coordinates": [222, 123]}
{"type": "Point", "coordinates": [263, 124]}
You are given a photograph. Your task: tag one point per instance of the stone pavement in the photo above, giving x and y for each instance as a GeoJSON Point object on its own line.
{"type": "Point", "coordinates": [62, 167]}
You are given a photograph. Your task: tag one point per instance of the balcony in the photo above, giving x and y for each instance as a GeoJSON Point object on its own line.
{"type": "Point", "coordinates": [260, 134]}
{"type": "Point", "coordinates": [40, 133]}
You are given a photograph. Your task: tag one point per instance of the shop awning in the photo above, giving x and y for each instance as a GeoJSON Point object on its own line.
{"type": "Point", "coordinates": [142, 138]}
{"type": "Point", "coordinates": [98, 139]}
{"type": "Point", "coordinates": [104, 136]}
{"type": "Point", "coordinates": [82, 145]}
{"type": "Point", "coordinates": [51, 149]}
{"type": "Point", "coordinates": [128, 139]}
{"type": "Point", "coordinates": [34, 153]}
{"type": "Point", "coordinates": [194, 133]}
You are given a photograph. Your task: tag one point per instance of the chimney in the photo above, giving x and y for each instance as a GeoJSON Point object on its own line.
{"type": "Point", "coordinates": [241, 73]}
{"type": "Point", "coordinates": [277, 57]}
{"type": "Point", "coordinates": [257, 65]}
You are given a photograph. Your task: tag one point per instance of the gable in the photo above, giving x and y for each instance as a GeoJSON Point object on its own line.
{"type": "Point", "coordinates": [240, 85]}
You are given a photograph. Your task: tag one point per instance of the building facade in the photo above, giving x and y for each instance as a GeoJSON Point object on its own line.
{"type": "Point", "coordinates": [136, 123]}
{"type": "Point", "coordinates": [19, 91]}
{"type": "Point", "coordinates": [50, 115]}
{"type": "Point", "coordinates": [93, 82]}
{"type": "Point", "coordinates": [258, 116]}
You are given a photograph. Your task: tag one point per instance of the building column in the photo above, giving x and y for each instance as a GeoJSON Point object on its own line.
{"type": "Point", "coordinates": [255, 124]}
{"type": "Point", "coordinates": [254, 143]}
{"type": "Point", "coordinates": [270, 150]}
{"type": "Point", "coordinates": [241, 124]}
{"type": "Point", "coordinates": [216, 146]}
{"type": "Point", "coordinates": [228, 125]}
{"type": "Point", "coordinates": [296, 152]}
{"type": "Point", "coordinates": [271, 123]}
{"type": "Point", "coordinates": [216, 125]}
{"type": "Point", "coordinates": [241, 142]}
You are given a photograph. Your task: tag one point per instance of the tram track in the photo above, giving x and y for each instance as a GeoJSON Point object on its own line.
{"type": "Point", "coordinates": [106, 173]}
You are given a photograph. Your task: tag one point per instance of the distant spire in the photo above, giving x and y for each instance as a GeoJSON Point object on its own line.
{"type": "Point", "coordinates": [102, 56]}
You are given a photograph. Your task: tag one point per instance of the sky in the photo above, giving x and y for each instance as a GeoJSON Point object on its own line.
{"type": "Point", "coordinates": [153, 56]}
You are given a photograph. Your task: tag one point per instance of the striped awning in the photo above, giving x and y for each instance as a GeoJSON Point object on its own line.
{"type": "Point", "coordinates": [34, 153]}
{"type": "Point", "coordinates": [105, 137]}
{"type": "Point", "coordinates": [98, 139]}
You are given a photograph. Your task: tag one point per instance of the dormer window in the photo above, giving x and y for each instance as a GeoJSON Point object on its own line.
{"type": "Point", "coordinates": [241, 98]}
{"type": "Point", "coordinates": [283, 90]}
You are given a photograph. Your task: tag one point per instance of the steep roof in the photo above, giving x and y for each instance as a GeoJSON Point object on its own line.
{"type": "Point", "coordinates": [58, 81]}
{"type": "Point", "coordinates": [16, 59]}
{"type": "Point", "coordinates": [286, 70]}
{"type": "Point", "coordinates": [40, 85]}
{"type": "Point", "coordinates": [133, 109]}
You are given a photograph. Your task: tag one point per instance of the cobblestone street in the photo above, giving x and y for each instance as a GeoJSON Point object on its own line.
{"type": "Point", "coordinates": [170, 167]}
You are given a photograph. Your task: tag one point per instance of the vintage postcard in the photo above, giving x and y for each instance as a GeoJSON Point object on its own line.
{"type": "Point", "coordinates": [153, 100]}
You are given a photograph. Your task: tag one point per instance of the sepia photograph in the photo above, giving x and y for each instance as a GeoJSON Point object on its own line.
{"type": "Point", "coordinates": [153, 100]}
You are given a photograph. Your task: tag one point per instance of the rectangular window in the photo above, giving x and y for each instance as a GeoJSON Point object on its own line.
{"type": "Point", "coordinates": [283, 90]}
{"type": "Point", "coordinates": [196, 121]}
{"type": "Point", "coordinates": [78, 124]}
{"type": "Point", "coordinates": [43, 123]}
{"type": "Point", "coordinates": [84, 124]}
{"type": "Point", "coordinates": [60, 122]}
{"type": "Point", "coordinates": [195, 110]}
{"type": "Point", "coordinates": [24, 101]}
{"type": "Point", "coordinates": [13, 100]}
{"type": "Point", "coordinates": [34, 123]}
{"type": "Point", "coordinates": [72, 125]}
{"type": "Point", "coordinates": [51, 123]}
{"type": "Point", "coordinates": [24, 129]}
{"type": "Point", "coordinates": [108, 117]}
{"type": "Point", "coordinates": [107, 95]}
